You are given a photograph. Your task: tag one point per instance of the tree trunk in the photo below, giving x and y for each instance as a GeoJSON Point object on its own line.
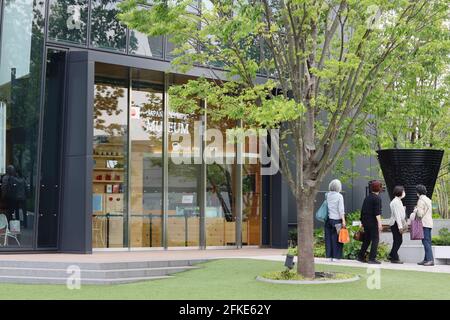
{"type": "Point", "coordinates": [305, 234]}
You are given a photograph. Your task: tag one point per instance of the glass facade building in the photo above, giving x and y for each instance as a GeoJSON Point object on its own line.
{"type": "Point", "coordinates": [86, 137]}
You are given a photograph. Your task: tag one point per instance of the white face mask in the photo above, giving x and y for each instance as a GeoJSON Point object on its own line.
{"type": "Point", "coordinates": [403, 195]}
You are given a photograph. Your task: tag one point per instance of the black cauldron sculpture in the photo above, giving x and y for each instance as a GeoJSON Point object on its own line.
{"type": "Point", "coordinates": [408, 168]}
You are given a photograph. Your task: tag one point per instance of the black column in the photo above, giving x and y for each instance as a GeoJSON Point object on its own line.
{"type": "Point", "coordinates": [76, 224]}
{"type": "Point", "coordinates": [279, 211]}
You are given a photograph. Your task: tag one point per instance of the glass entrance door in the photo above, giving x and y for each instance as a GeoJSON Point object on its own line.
{"type": "Point", "coordinates": [110, 153]}
{"type": "Point", "coordinates": [146, 138]}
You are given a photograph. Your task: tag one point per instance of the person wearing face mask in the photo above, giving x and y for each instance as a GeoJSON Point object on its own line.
{"type": "Point", "coordinates": [397, 222]}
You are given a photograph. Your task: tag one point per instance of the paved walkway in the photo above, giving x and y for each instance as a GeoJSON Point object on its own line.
{"type": "Point", "coordinates": [354, 263]}
{"type": "Point", "coordinates": [149, 255]}
{"type": "Point", "coordinates": [192, 254]}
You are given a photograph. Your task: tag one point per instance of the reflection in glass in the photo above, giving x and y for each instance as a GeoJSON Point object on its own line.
{"type": "Point", "coordinates": [143, 45]}
{"type": "Point", "coordinates": [170, 47]}
{"type": "Point", "coordinates": [146, 116]}
{"type": "Point", "coordinates": [251, 191]}
{"type": "Point", "coordinates": [20, 85]}
{"type": "Point", "coordinates": [110, 157]}
{"type": "Point", "coordinates": [107, 32]}
{"type": "Point", "coordinates": [221, 178]}
{"type": "Point", "coordinates": [183, 221]}
{"type": "Point", "coordinates": [68, 21]}
{"type": "Point", "coordinates": [220, 213]}
{"type": "Point", "coordinates": [251, 204]}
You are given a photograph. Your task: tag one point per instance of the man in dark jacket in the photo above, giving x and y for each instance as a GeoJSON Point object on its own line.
{"type": "Point", "coordinates": [371, 221]}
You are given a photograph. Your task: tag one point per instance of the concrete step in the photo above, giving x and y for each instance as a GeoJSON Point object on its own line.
{"type": "Point", "coordinates": [50, 272]}
{"type": "Point", "coordinates": [99, 265]}
{"type": "Point", "coordinates": [63, 281]}
{"type": "Point", "coordinates": [93, 274]}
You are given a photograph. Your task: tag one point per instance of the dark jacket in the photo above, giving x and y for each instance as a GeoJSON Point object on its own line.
{"type": "Point", "coordinates": [371, 208]}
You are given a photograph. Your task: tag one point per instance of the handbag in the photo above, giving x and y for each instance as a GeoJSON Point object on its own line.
{"type": "Point", "coordinates": [416, 229]}
{"type": "Point", "coordinates": [322, 213]}
{"type": "Point", "coordinates": [405, 228]}
{"type": "Point", "coordinates": [344, 236]}
{"type": "Point", "coordinates": [359, 235]}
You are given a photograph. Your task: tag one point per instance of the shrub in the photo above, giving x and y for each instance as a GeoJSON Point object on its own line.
{"type": "Point", "coordinates": [292, 236]}
{"type": "Point", "coordinates": [443, 239]}
{"type": "Point", "coordinates": [319, 250]}
{"type": "Point", "coordinates": [436, 215]}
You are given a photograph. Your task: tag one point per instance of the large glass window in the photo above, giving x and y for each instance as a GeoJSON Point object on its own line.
{"type": "Point", "coordinates": [106, 30]}
{"type": "Point", "coordinates": [221, 178]}
{"type": "Point", "coordinates": [183, 221]}
{"type": "Point", "coordinates": [110, 157]}
{"type": "Point", "coordinates": [144, 45]}
{"type": "Point", "coordinates": [251, 190]}
{"type": "Point", "coordinates": [68, 21]}
{"type": "Point", "coordinates": [146, 129]}
{"type": "Point", "coordinates": [251, 204]}
{"type": "Point", "coordinates": [128, 139]}
{"type": "Point", "coordinates": [20, 85]}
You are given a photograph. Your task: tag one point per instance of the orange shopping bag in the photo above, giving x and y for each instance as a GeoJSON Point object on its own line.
{"type": "Point", "coordinates": [344, 237]}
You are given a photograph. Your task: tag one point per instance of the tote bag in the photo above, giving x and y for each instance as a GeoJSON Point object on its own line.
{"type": "Point", "coordinates": [416, 229]}
{"type": "Point", "coordinates": [344, 237]}
{"type": "Point", "coordinates": [322, 213]}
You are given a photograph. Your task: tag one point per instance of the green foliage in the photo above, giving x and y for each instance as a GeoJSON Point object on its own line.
{"type": "Point", "coordinates": [230, 33]}
{"type": "Point", "coordinates": [412, 107]}
{"type": "Point", "coordinates": [292, 236]}
{"type": "Point", "coordinates": [436, 215]}
{"type": "Point", "coordinates": [443, 239]}
{"type": "Point", "coordinates": [231, 101]}
{"type": "Point", "coordinates": [442, 191]}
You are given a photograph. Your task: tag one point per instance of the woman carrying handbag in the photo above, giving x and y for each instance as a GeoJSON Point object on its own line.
{"type": "Point", "coordinates": [335, 221]}
{"type": "Point", "coordinates": [423, 214]}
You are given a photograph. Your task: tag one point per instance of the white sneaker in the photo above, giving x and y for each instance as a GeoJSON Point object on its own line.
{"type": "Point", "coordinates": [331, 259]}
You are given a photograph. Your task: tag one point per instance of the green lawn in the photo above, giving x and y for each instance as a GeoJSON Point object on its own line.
{"type": "Point", "coordinates": [235, 279]}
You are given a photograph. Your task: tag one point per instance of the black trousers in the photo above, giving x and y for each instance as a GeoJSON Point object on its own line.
{"type": "Point", "coordinates": [372, 238]}
{"type": "Point", "coordinates": [333, 248]}
{"type": "Point", "coordinates": [397, 242]}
